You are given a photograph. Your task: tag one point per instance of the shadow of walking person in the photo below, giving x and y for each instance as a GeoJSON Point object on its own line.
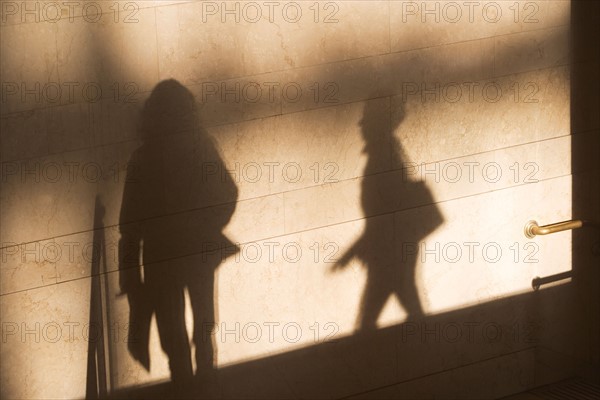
{"type": "Point", "coordinates": [171, 210]}
{"type": "Point", "coordinates": [388, 272]}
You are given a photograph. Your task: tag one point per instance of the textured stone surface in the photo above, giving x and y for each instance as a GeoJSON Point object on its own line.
{"type": "Point", "coordinates": [325, 115]}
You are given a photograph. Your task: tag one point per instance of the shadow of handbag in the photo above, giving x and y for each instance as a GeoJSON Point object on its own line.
{"type": "Point", "coordinates": [430, 216]}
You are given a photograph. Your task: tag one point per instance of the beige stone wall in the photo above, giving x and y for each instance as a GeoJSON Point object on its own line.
{"type": "Point", "coordinates": [483, 96]}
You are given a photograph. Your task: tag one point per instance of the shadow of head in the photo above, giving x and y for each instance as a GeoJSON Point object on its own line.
{"type": "Point", "coordinates": [379, 123]}
{"type": "Point", "coordinates": [170, 109]}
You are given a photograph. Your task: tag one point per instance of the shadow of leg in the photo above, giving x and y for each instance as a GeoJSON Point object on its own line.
{"type": "Point", "coordinates": [170, 318]}
{"type": "Point", "coordinates": [201, 289]}
{"type": "Point", "coordinates": [373, 300]}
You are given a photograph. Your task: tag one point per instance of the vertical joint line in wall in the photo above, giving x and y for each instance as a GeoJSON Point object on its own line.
{"type": "Point", "coordinates": [392, 135]}
{"type": "Point", "coordinates": [283, 206]}
{"type": "Point", "coordinates": [389, 28]}
{"type": "Point", "coordinates": [91, 131]}
{"type": "Point", "coordinates": [156, 40]}
{"type": "Point", "coordinates": [395, 253]}
{"type": "Point", "coordinates": [280, 105]}
{"type": "Point", "coordinates": [56, 51]}
{"type": "Point", "coordinates": [494, 57]}
{"type": "Point", "coordinates": [56, 60]}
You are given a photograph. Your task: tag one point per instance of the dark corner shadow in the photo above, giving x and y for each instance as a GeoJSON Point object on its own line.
{"type": "Point", "coordinates": [467, 339]}
{"type": "Point", "coordinates": [388, 247]}
{"type": "Point", "coordinates": [171, 209]}
{"type": "Point", "coordinates": [585, 167]}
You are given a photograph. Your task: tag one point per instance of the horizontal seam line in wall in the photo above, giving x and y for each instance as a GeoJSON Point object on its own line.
{"type": "Point", "coordinates": [391, 53]}
{"type": "Point", "coordinates": [104, 273]}
{"type": "Point", "coordinates": [373, 56]}
{"type": "Point", "coordinates": [391, 213]}
{"type": "Point", "coordinates": [208, 127]}
{"type": "Point", "coordinates": [283, 193]}
{"type": "Point", "coordinates": [184, 3]}
{"type": "Point", "coordinates": [487, 77]}
{"type": "Point", "coordinates": [395, 170]}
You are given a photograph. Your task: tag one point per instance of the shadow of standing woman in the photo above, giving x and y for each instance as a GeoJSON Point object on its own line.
{"type": "Point", "coordinates": [166, 224]}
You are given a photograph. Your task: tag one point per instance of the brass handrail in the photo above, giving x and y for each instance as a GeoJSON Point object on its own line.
{"type": "Point", "coordinates": [532, 229]}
